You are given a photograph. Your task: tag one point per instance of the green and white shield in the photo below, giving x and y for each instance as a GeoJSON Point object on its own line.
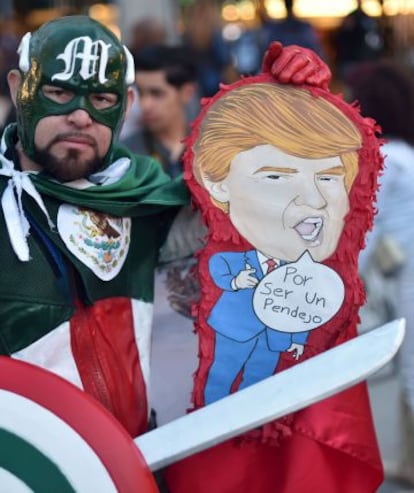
{"type": "Point", "coordinates": [55, 438]}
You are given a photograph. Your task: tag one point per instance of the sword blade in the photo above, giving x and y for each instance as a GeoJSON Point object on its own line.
{"type": "Point", "coordinates": [291, 390]}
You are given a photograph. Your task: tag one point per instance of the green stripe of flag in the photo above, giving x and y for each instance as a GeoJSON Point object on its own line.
{"type": "Point", "coordinates": [31, 466]}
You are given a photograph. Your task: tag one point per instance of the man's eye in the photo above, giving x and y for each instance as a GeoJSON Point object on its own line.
{"type": "Point", "coordinates": [278, 176]}
{"type": "Point", "coordinates": [57, 94]}
{"type": "Point", "coordinates": [327, 178]}
{"type": "Point", "coordinates": [274, 177]}
{"type": "Point", "coordinates": [157, 93]}
{"type": "Point", "coordinates": [101, 101]}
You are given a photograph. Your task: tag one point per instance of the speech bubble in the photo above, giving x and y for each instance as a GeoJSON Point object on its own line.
{"type": "Point", "coordinates": [298, 296]}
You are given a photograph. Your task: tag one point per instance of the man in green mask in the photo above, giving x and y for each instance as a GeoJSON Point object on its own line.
{"type": "Point", "coordinates": [83, 219]}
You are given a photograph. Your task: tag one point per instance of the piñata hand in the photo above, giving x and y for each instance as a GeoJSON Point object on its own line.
{"type": "Point", "coordinates": [296, 350]}
{"type": "Point", "coordinates": [295, 65]}
{"type": "Point", "coordinates": [246, 279]}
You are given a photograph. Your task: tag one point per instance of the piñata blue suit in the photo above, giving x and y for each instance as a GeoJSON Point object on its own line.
{"type": "Point", "coordinates": [242, 340]}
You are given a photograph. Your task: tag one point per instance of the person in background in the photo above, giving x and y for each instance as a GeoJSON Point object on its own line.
{"type": "Point", "coordinates": [359, 39]}
{"type": "Point", "coordinates": [166, 81]}
{"type": "Point", "coordinates": [9, 41]}
{"type": "Point", "coordinates": [148, 31]}
{"type": "Point", "coordinates": [165, 77]}
{"type": "Point", "coordinates": [385, 92]}
{"type": "Point", "coordinates": [211, 55]}
{"type": "Point", "coordinates": [290, 30]}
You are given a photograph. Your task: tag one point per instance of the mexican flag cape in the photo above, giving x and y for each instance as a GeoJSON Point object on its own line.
{"type": "Point", "coordinates": [76, 291]}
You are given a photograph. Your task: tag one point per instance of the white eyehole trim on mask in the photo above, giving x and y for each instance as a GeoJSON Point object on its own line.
{"type": "Point", "coordinates": [23, 50]}
{"type": "Point", "coordinates": [130, 68]}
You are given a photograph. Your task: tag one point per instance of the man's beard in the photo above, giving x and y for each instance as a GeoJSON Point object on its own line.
{"type": "Point", "coordinates": [68, 168]}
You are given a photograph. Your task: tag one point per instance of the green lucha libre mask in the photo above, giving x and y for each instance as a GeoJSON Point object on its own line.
{"type": "Point", "coordinates": [77, 54]}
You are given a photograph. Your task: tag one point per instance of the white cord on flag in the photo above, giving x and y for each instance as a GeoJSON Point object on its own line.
{"type": "Point", "coordinates": [18, 226]}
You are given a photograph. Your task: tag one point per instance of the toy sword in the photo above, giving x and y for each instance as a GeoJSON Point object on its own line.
{"type": "Point", "coordinates": [291, 390]}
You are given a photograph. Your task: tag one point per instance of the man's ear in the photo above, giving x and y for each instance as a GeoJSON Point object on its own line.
{"type": "Point", "coordinates": [14, 79]}
{"type": "Point", "coordinates": [130, 99]}
{"type": "Point", "coordinates": [188, 91]}
{"type": "Point", "coordinates": [218, 190]}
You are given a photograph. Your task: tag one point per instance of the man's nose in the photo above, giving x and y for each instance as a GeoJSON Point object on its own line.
{"type": "Point", "coordinates": [145, 102]}
{"type": "Point", "coordinates": [310, 195]}
{"type": "Point", "coordinates": [80, 118]}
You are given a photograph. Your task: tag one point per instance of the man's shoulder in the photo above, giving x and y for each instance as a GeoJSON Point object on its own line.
{"type": "Point", "coordinates": [233, 255]}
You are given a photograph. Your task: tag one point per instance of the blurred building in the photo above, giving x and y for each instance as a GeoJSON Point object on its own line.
{"type": "Point", "coordinates": [240, 20]}
{"type": "Point", "coordinates": [120, 15]}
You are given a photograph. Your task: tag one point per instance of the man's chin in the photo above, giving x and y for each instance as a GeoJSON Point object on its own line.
{"type": "Point", "coordinates": [293, 255]}
{"type": "Point", "coordinates": [321, 254]}
{"type": "Point", "coordinates": [76, 172]}
{"type": "Point", "coordinates": [68, 177]}
{"type": "Point", "coordinates": [68, 168]}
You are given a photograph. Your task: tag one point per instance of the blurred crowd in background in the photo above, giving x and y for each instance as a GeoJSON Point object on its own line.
{"type": "Point", "coordinates": [227, 39]}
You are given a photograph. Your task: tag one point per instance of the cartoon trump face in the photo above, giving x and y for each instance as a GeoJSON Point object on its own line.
{"type": "Point", "coordinates": [281, 163]}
